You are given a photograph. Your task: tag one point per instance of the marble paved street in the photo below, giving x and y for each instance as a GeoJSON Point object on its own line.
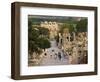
{"type": "Point", "coordinates": [52, 58]}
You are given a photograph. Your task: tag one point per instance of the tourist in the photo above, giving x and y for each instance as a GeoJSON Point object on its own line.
{"type": "Point", "coordinates": [52, 50]}
{"type": "Point", "coordinates": [45, 54]}
{"type": "Point", "coordinates": [55, 55]}
{"type": "Point", "coordinates": [59, 55]}
{"type": "Point", "coordinates": [50, 56]}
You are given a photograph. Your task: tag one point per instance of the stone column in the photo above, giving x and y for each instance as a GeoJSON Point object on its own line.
{"type": "Point", "coordinates": [74, 36]}
{"type": "Point", "coordinates": [69, 37]}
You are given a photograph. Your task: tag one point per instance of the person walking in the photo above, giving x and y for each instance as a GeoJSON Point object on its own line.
{"type": "Point", "coordinates": [59, 55]}
{"type": "Point", "coordinates": [55, 55]}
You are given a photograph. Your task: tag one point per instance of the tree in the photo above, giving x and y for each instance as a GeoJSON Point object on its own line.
{"type": "Point", "coordinates": [35, 42]}
{"type": "Point", "coordinates": [82, 25]}
{"type": "Point", "coordinates": [72, 28]}
{"type": "Point", "coordinates": [65, 26]}
{"type": "Point", "coordinates": [62, 28]}
{"type": "Point", "coordinates": [43, 31]}
{"type": "Point", "coordinates": [33, 47]}
{"type": "Point", "coordinates": [32, 39]}
{"type": "Point", "coordinates": [43, 43]}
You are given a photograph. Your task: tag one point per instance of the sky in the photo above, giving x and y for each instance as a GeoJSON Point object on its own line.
{"type": "Point", "coordinates": [54, 17]}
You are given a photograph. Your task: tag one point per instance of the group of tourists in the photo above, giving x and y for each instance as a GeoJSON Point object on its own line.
{"type": "Point", "coordinates": [55, 55]}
